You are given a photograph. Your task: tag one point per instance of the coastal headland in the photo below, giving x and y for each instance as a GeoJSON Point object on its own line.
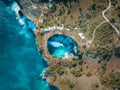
{"type": "Point", "coordinates": [98, 57]}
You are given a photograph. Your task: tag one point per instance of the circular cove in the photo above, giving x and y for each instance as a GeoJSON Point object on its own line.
{"type": "Point", "coordinates": [60, 45]}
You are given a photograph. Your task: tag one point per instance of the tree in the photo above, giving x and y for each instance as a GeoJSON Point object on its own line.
{"type": "Point", "coordinates": [103, 66]}
{"type": "Point", "coordinates": [112, 20]}
{"type": "Point", "coordinates": [73, 64]}
{"type": "Point", "coordinates": [80, 62]}
{"type": "Point", "coordinates": [88, 74]}
{"type": "Point", "coordinates": [71, 84]}
{"type": "Point", "coordinates": [112, 80]}
{"type": "Point", "coordinates": [76, 73]}
{"type": "Point", "coordinates": [60, 70]}
{"type": "Point", "coordinates": [93, 6]}
{"type": "Point", "coordinates": [53, 8]}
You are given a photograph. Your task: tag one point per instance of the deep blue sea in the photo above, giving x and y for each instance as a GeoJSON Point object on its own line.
{"type": "Point", "coordinates": [20, 62]}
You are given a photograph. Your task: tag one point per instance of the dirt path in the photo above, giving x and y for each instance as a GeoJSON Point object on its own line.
{"type": "Point", "coordinates": [103, 14]}
{"type": "Point", "coordinates": [106, 20]}
{"type": "Point", "coordinates": [96, 29]}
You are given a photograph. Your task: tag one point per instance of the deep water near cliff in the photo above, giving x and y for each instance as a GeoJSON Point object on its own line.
{"type": "Point", "coordinates": [20, 62]}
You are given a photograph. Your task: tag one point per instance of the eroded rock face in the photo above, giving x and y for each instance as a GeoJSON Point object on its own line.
{"type": "Point", "coordinates": [31, 8]}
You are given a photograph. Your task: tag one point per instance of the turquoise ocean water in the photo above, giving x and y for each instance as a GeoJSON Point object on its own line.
{"type": "Point", "coordinates": [20, 62]}
{"type": "Point", "coordinates": [60, 45]}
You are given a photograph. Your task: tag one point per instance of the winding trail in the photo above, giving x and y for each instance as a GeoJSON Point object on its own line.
{"type": "Point", "coordinates": [106, 20]}
{"type": "Point", "coordinates": [96, 29]}
{"type": "Point", "coordinates": [103, 14]}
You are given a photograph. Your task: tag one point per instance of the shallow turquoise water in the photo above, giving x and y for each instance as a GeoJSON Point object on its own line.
{"type": "Point", "coordinates": [59, 45]}
{"type": "Point", "coordinates": [20, 63]}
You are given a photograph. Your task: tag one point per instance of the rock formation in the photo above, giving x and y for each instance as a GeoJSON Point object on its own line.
{"type": "Point", "coordinates": [31, 8]}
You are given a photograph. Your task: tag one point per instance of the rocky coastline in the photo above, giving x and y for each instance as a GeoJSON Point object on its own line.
{"type": "Point", "coordinates": [32, 8]}
{"type": "Point", "coordinates": [30, 18]}
{"type": "Point", "coordinates": [90, 70]}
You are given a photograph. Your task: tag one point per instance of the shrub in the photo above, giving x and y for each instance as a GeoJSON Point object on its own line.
{"type": "Point", "coordinates": [88, 74]}
{"type": "Point", "coordinates": [103, 66]}
{"type": "Point", "coordinates": [112, 80]}
{"type": "Point", "coordinates": [76, 73]}
{"type": "Point", "coordinates": [73, 64]}
{"type": "Point", "coordinates": [95, 86]}
{"type": "Point", "coordinates": [60, 70]}
{"type": "Point", "coordinates": [71, 84]}
{"type": "Point", "coordinates": [80, 62]}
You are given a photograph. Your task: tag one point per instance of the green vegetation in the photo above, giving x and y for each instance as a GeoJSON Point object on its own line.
{"type": "Point", "coordinates": [73, 64]}
{"type": "Point", "coordinates": [117, 51]}
{"type": "Point", "coordinates": [50, 71]}
{"type": "Point", "coordinates": [69, 83]}
{"type": "Point", "coordinates": [80, 62]}
{"type": "Point", "coordinates": [104, 35]}
{"type": "Point", "coordinates": [60, 70]}
{"type": "Point", "coordinates": [39, 42]}
{"type": "Point", "coordinates": [112, 80]}
{"type": "Point", "coordinates": [53, 8]}
{"type": "Point", "coordinates": [55, 70]}
{"type": "Point", "coordinates": [63, 63]}
{"type": "Point", "coordinates": [95, 86]}
{"type": "Point", "coordinates": [79, 55]}
{"type": "Point", "coordinates": [88, 74]}
{"type": "Point", "coordinates": [103, 52]}
{"type": "Point", "coordinates": [81, 69]}
{"type": "Point", "coordinates": [104, 66]}
{"type": "Point", "coordinates": [76, 73]}
{"type": "Point", "coordinates": [85, 17]}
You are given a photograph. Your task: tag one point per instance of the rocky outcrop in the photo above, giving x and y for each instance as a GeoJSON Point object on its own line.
{"type": "Point", "coordinates": [31, 8]}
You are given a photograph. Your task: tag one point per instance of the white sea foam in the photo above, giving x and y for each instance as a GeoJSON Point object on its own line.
{"type": "Point", "coordinates": [66, 55]}
{"type": "Point", "coordinates": [75, 49]}
{"type": "Point", "coordinates": [21, 21]}
{"type": "Point", "coordinates": [16, 8]}
{"type": "Point", "coordinates": [56, 44]}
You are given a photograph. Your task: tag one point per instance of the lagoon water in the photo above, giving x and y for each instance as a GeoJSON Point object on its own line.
{"type": "Point", "coordinates": [60, 45]}
{"type": "Point", "coordinates": [20, 62]}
